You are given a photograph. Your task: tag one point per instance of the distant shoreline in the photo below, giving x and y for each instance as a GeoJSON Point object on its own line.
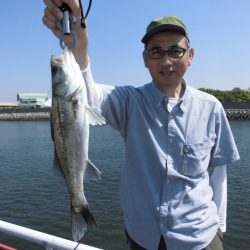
{"type": "Point", "coordinates": [38, 114]}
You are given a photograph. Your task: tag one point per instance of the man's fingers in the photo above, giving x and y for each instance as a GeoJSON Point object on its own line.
{"type": "Point", "coordinates": [74, 6]}
{"type": "Point", "coordinates": [49, 23]}
{"type": "Point", "coordinates": [53, 16]}
{"type": "Point", "coordinates": [49, 19]}
{"type": "Point", "coordinates": [54, 9]}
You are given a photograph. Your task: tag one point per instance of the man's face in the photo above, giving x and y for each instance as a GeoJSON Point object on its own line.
{"type": "Point", "coordinates": [167, 72]}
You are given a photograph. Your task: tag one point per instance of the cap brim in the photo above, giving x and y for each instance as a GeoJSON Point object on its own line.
{"type": "Point", "coordinates": [161, 28]}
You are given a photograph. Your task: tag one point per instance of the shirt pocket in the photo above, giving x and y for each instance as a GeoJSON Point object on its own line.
{"type": "Point", "coordinates": [196, 157]}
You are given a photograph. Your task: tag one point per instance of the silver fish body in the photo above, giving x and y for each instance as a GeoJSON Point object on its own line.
{"type": "Point", "coordinates": [70, 119]}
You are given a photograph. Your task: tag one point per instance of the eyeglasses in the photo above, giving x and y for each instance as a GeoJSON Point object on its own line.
{"type": "Point", "coordinates": [175, 52]}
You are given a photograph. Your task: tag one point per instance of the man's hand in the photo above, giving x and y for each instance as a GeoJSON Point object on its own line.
{"type": "Point", "coordinates": [53, 15]}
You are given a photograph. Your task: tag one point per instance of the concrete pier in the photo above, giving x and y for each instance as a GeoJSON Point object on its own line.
{"type": "Point", "coordinates": [26, 114]}
{"type": "Point", "coordinates": [238, 114]}
{"type": "Point", "coordinates": [237, 110]}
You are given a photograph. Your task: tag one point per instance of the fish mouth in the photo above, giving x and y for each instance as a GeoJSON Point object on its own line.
{"type": "Point", "coordinates": [58, 77]}
{"type": "Point", "coordinates": [56, 59]}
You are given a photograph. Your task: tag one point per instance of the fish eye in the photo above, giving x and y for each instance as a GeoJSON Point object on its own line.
{"type": "Point", "coordinates": [74, 101]}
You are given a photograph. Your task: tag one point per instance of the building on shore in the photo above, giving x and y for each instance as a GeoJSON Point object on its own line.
{"type": "Point", "coordinates": [34, 100]}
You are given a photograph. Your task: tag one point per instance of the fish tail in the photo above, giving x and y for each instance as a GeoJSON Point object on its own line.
{"type": "Point", "coordinates": [81, 222]}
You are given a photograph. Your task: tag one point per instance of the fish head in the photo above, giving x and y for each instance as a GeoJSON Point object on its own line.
{"type": "Point", "coordinates": [66, 74]}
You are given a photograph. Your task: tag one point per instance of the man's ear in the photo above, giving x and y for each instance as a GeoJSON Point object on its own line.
{"type": "Point", "coordinates": [145, 58]}
{"type": "Point", "coordinates": [190, 55]}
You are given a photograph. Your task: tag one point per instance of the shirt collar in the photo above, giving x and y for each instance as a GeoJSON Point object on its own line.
{"type": "Point", "coordinates": [159, 97]}
{"type": "Point", "coordinates": [185, 97]}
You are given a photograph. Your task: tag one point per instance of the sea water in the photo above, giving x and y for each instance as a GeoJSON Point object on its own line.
{"type": "Point", "coordinates": [31, 195]}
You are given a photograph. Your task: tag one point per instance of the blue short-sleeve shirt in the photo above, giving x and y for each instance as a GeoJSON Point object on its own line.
{"type": "Point", "coordinates": [165, 183]}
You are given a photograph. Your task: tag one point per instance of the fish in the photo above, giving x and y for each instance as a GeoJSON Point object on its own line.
{"type": "Point", "coordinates": [71, 116]}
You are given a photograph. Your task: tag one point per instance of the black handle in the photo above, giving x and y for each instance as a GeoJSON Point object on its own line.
{"type": "Point", "coordinates": [65, 7]}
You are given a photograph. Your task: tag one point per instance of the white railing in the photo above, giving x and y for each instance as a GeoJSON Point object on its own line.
{"type": "Point", "coordinates": [50, 242]}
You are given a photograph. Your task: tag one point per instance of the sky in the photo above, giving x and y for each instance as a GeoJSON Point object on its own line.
{"type": "Point", "coordinates": [219, 31]}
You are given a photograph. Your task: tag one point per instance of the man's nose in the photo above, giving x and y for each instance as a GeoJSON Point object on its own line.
{"type": "Point", "coordinates": [166, 59]}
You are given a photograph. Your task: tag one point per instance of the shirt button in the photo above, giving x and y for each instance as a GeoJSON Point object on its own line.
{"type": "Point", "coordinates": [186, 149]}
{"type": "Point", "coordinates": [167, 181]}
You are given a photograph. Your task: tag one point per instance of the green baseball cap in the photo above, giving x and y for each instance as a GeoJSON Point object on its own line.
{"type": "Point", "coordinates": [164, 24]}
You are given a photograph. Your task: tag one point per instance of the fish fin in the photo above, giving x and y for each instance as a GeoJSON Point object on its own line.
{"type": "Point", "coordinates": [94, 116]}
{"type": "Point", "coordinates": [91, 172]}
{"type": "Point", "coordinates": [81, 222]}
{"type": "Point", "coordinates": [56, 165]}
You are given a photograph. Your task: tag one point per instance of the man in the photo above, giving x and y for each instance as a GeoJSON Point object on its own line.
{"type": "Point", "coordinates": [177, 142]}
